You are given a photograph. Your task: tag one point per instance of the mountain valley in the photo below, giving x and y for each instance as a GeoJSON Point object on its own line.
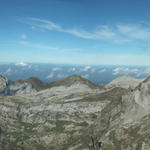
{"type": "Point", "coordinates": [68, 113]}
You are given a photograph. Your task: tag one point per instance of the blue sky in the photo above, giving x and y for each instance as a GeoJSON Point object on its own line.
{"type": "Point", "coordinates": [75, 31]}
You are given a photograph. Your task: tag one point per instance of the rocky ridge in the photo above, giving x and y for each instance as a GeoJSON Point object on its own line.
{"type": "Point", "coordinates": [124, 82]}
{"type": "Point", "coordinates": [3, 83]}
{"type": "Point", "coordinates": [63, 115]}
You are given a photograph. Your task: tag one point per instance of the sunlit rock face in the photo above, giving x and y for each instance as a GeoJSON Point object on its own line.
{"type": "Point", "coordinates": [124, 82]}
{"type": "Point", "coordinates": [63, 115]}
{"type": "Point", "coordinates": [142, 94]}
{"type": "Point", "coordinates": [3, 83]}
{"type": "Point", "coordinates": [22, 89]}
{"type": "Point", "coordinates": [131, 122]}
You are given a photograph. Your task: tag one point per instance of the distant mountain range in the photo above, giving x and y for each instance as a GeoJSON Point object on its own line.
{"type": "Point", "coordinates": [101, 74]}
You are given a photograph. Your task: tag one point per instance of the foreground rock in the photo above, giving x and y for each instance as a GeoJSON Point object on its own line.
{"type": "Point", "coordinates": [3, 84]}
{"type": "Point", "coordinates": [63, 115]}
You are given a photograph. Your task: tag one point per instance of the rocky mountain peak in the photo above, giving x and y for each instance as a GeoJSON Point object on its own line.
{"type": "Point", "coordinates": [33, 85]}
{"type": "Point", "coordinates": [35, 82]}
{"type": "Point", "coordinates": [74, 79]}
{"type": "Point", "coordinates": [142, 94]}
{"type": "Point", "coordinates": [147, 79]}
{"type": "Point", "coordinates": [124, 82]}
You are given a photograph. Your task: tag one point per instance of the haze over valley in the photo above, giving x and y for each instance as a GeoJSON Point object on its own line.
{"type": "Point", "coordinates": [99, 74]}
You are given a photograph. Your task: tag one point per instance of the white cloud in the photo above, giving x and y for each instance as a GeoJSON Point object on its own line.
{"type": "Point", "coordinates": [129, 71]}
{"type": "Point", "coordinates": [56, 69]}
{"type": "Point", "coordinates": [86, 68]}
{"type": "Point", "coordinates": [51, 75]}
{"type": "Point", "coordinates": [46, 24]}
{"type": "Point", "coordinates": [125, 71]}
{"type": "Point", "coordinates": [85, 76]}
{"type": "Point", "coordinates": [100, 32]}
{"type": "Point", "coordinates": [134, 31]}
{"type": "Point", "coordinates": [54, 72]}
{"type": "Point", "coordinates": [36, 45]}
{"type": "Point", "coordinates": [21, 64]}
{"type": "Point", "coordinates": [105, 32]}
{"type": "Point", "coordinates": [103, 70]}
{"type": "Point", "coordinates": [147, 71]}
{"type": "Point", "coordinates": [23, 36]}
{"type": "Point", "coordinates": [144, 72]}
{"type": "Point", "coordinates": [92, 70]}
{"type": "Point", "coordinates": [72, 69]}
{"type": "Point", "coordinates": [118, 33]}
{"type": "Point", "coordinates": [46, 47]}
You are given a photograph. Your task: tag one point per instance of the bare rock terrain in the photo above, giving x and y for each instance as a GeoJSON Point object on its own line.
{"type": "Point", "coordinates": [63, 115]}
{"type": "Point", "coordinates": [3, 83]}
{"type": "Point", "coordinates": [124, 82]}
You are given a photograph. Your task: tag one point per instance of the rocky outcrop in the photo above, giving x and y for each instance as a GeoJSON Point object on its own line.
{"type": "Point", "coordinates": [124, 82]}
{"type": "Point", "coordinates": [142, 94]}
{"type": "Point", "coordinates": [21, 89]}
{"type": "Point", "coordinates": [65, 114]}
{"type": "Point", "coordinates": [35, 87]}
{"type": "Point", "coordinates": [128, 125]}
{"type": "Point", "coordinates": [3, 84]}
{"type": "Point", "coordinates": [71, 81]}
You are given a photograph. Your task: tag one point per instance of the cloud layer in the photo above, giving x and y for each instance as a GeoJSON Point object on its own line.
{"type": "Point", "coordinates": [115, 33]}
{"type": "Point", "coordinates": [131, 71]}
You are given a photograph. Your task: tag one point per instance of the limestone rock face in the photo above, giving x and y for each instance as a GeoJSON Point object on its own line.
{"type": "Point", "coordinates": [142, 94]}
{"type": "Point", "coordinates": [3, 83]}
{"type": "Point", "coordinates": [63, 115]}
{"type": "Point", "coordinates": [130, 122]}
{"type": "Point", "coordinates": [22, 89]}
{"type": "Point", "coordinates": [124, 82]}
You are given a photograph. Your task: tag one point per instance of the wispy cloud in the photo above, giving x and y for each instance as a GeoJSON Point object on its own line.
{"type": "Point", "coordinates": [134, 31]}
{"type": "Point", "coordinates": [125, 71]}
{"type": "Point", "coordinates": [144, 72]}
{"type": "Point", "coordinates": [102, 70]}
{"type": "Point", "coordinates": [21, 64]}
{"type": "Point", "coordinates": [72, 69]}
{"type": "Point", "coordinates": [100, 32]}
{"type": "Point", "coordinates": [50, 76]}
{"type": "Point", "coordinates": [131, 71]}
{"type": "Point", "coordinates": [86, 68]}
{"type": "Point", "coordinates": [41, 23]}
{"type": "Point", "coordinates": [85, 76]}
{"type": "Point", "coordinates": [23, 36]}
{"type": "Point", "coordinates": [36, 45]}
{"type": "Point", "coordinates": [46, 47]}
{"type": "Point", "coordinates": [56, 69]}
{"type": "Point", "coordinates": [117, 33]}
